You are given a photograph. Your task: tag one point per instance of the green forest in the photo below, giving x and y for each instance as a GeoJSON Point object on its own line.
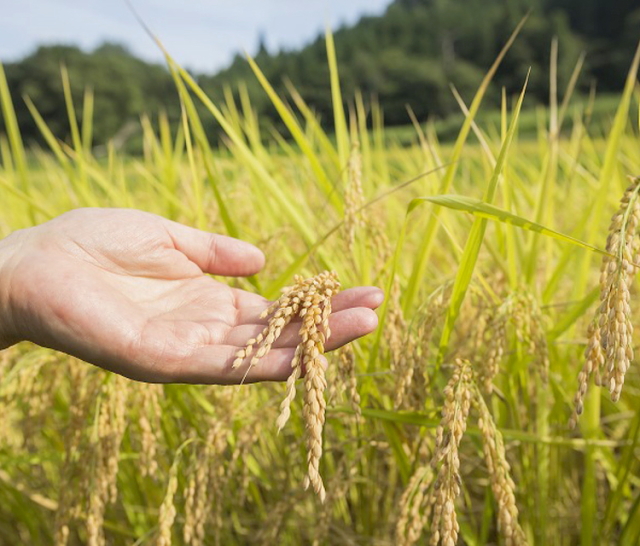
{"type": "Point", "coordinates": [406, 58]}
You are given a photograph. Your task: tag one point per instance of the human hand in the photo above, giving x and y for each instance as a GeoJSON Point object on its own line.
{"type": "Point", "coordinates": [127, 290]}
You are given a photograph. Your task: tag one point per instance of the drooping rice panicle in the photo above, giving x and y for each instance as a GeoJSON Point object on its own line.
{"type": "Point", "coordinates": [609, 349]}
{"type": "Point", "coordinates": [446, 489]}
{"type": "Point", "coordinates": [415, 507]}
{"type": "Point", "coordinates": [520, 313]}
{"type": "Point", "coordinates": [110, 428]}
{"type": "Point", "coordinates": [353, 197]}
{"type": "Point", "coordinates": [310, 300]}
{"type": "Point", "coordinates": [148, 422]}
{"type": "Point", "coordinates": [499, 475]}
{"type": "Point", "coordinates": [345, 381]}
{"type": "Point", "coordinates": [168, 511]}
{"type": "Point", "coordinates": [411, 375]}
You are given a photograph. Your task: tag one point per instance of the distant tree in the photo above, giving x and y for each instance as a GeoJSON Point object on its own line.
{"type": "Point", "coordinates": [123, 85]}
{"type": "Point", "coordinates": [408, 57]}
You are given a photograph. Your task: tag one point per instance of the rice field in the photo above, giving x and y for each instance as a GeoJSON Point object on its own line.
{"type": "Point", "coordinates": [471, 416]}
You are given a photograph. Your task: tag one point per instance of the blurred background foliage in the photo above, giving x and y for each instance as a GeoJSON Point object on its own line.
{"type": "Point", "coordinates": [406, 58]}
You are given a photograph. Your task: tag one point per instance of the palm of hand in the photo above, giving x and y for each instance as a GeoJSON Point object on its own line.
{"type": "Point", "coordinates": [126, 290]}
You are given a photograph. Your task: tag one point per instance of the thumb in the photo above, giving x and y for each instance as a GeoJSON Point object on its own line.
{"type": "Point", "coordinates": [216, 254]}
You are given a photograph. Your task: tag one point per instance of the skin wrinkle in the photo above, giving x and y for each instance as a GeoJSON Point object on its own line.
{"type": "Point", "coordinates": [169, 353]}
{"type": "Point", "coordinates": [172, 299]}
{"type": "Point", "coordinates": [156, 255]}
{"type": "Point", "coordinates": [160, 362]}
{"type": "Point", "coordinates": [205, 336]}
{"type": "Point", "coordinates": [67, 317]}
{"type": "Point", "coordinates": [175, 245]}
{"type": "Point", "coordinates": [212, 255]}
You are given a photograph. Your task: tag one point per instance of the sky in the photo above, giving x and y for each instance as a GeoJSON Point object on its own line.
{"type": "Point", "coordinates": [201, 35]}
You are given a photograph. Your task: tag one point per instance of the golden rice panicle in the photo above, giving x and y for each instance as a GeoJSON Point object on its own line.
{"type": "Point", "coordinates": [110, 430]}
{"type": "Point", "coordinates": [314, 417]}
{"type": "Point", "coordinates": [610, 346]}
{"type": "Point", "coordinates": [149, 424]}
{"type": "Point", "coordinates": [219, 475]}
{"type": "Point", "coordinates": [353, 196]}
{"type": "Point", "coordinates": [415, 508]}
{"type": "Point", "coordinates": [529, 324]}
{"type": "Point", "coordinates": [617, 275]}
{"type": "Point", "coordinates": [296, 372]}
{"type": "Point", "coordinates": [307, 347]}
{"type": "Point", "coordinates": [396, 324]}
{"type": "Point", "coordinates": [458, 395]}
{"type": "Point", "coordinates": [309, 299]}
{"type": "Point", "coordinates": [314, 333]}
{"type": "Point", "coordinates": [377, 242]}
{"type": "Point", "coordinates": [496, 338]}
{"type": "Point", "coordinates": [314, 308]}
{"type": "Point", "coordinates": [204, 484]}
{"type": "Point", "coordinates": [407, 369]}
{"type": "Point", "coordinates": [195, 501]}
{"type": "Point", "coordinates": [594, 362]}
{"type": "Point", "coordinates": [411, 376]}
{"type": "Point", "coordinates": [519, 311]}
{"type": "Point", "coordinates": [346, 381]}
{"type": "Point", "coordinates": [75, 472]}
{"type": "Point", "coordinates": [167, 508]}
{"type": "Point", "coordinates": [283, 310]}
{"type": "Point", "coordinates": [501, 483]}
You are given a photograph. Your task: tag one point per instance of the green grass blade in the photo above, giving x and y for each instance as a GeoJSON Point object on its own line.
{"type": "Point", "coordinates": [313, 123]}
{"type": "Point", "coordinates": [16, 145]}
{"type": "Point", "coordinates": [299, 136]}
{"type": "Point", "coordinates": [87, 120]}
{"type": "Point", "coordinates": [610, 162]}
{"type": "Point", "coordinates": [339, 118]}
{"type": "Point", "coordinates": [201, 138]}
{"type": "Point", "coordinates": [272, 187]}
{"type": "Point", "coordinates": [630, 535]}
{"type": "Point", "coordinates": [196, 186]}
{"type": "Point", "coordinates": [33, 203]}
{"type": "Point", "coordinates": [71, 111]}
{"type": "Point", "coordinates": [48, 135]}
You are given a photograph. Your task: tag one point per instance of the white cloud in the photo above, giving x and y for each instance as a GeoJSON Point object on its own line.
{"type": "Point", "coordinates": [201, 34]}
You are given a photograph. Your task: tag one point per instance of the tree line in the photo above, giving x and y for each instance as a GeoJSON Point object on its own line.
{"type": "Point", "coordinates": [407, 57]}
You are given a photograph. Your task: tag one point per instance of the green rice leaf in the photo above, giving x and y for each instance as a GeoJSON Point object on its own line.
{"type": "Point", "coordinates": [481, 209]}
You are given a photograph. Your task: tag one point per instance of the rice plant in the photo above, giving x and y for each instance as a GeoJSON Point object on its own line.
{"type": "Point", "coordinates": [449, 425]}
